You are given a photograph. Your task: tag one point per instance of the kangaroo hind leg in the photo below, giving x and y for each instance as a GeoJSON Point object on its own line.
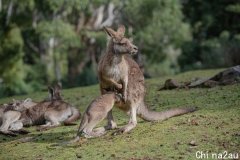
{"type": "Point", "coordinates": [7, 120]}
{"type": "Point", "coordinates": [132, 122]}
{"type": "Point", "coordinates": [51, 121]}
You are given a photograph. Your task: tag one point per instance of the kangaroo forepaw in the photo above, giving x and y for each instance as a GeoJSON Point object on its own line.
{"type": "Point", "coordinates": [119, 86]}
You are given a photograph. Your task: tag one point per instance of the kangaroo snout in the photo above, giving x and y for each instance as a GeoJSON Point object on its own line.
{"type": "Point", "coordinates": [134, 50]}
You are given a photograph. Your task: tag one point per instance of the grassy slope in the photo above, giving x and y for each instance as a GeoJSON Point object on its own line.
{"type": "Point", "coordinates": [214, 128]}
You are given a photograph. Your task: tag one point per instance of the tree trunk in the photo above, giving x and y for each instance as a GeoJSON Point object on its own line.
{"type": "Point", "coordinates": [9, 12]}
{"type": "Point", "coordinates": [0, 5]}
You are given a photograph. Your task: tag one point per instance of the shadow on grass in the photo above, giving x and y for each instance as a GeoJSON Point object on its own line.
{"type": "Point", "coordinates": [41, 137]}
{"type": "Point", "coordinates": [59, 134]}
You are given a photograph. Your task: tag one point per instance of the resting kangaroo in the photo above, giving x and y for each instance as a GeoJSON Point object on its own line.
{"type": "Point", "coordinates": [10, 109]}
{"type": "Point", "coordinates": [95, 113]}
{"type": "Point", "coordinates": [12, 112]}
{"type": "Point", "coordinates": [16, 105]}
{"type": "Point", "coordinates": [112, 68]}
{"type": "Point", "coordinates": [48, 114]}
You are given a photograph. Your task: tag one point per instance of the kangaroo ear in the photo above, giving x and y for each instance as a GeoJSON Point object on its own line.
{"type": "Point", "coordinates": [14, 100]}
{"type": "Point", "coordinates": [110, 32]}
{"type": "Point", "coordinates": [121, 30]}
{"type": "Point", "coordinates": [27, 100]}
{"type": "Point", "coordinates": [50, 90]}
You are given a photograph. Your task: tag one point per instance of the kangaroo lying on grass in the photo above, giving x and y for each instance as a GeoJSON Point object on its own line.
{"type": "Point", "coordinates": [19, 105]}
{"type": "Point", "coordinates": [12, 112]}
{"type": "Point", "coordinates": [48, 114]}
{"type": "Point", "coordinates": [112, 70]}
{"type": "Point", "coordinates": [15, 106]}
{"type": "Point", "coordinates": [9, 113]}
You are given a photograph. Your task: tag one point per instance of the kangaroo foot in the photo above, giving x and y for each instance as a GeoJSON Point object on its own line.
{"type": "Point", "coordinates": [93, 134]}
{"type": "Point", "coordinates": [125, 129]}
{"type": "Point", "coordinates": [99, 131]}
{"type": "Point", "coordinates": [8, 133]}
{"type": "Point", "coordinates": [21, 131]}
{"type": "Point", "coordinates": [112, 125]}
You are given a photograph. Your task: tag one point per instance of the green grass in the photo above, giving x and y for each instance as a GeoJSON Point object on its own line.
{"type": "Point", "coordinates": [215, 127]}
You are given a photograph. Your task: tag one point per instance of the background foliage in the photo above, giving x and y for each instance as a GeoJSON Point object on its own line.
{"type": "Point", "coordinates": [61, 40]}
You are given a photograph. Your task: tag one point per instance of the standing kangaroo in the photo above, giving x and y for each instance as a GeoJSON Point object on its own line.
{"type": "Point", "coordinates": [116, 68]}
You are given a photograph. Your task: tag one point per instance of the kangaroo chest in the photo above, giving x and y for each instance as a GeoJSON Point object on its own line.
{"type": "Point", "coordinates": [117, 71]}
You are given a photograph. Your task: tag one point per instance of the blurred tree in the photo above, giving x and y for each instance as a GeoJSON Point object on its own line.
{"type": "Point", "coordinates": [12, 68]}
{"type": "Point", "coordinates": [215, 34]}
{"type": "Point", "coordinates": [44, 34]}
{"type": "Point", "coordinates": [62, 40]}
{"type": "Point", "coordinates": [159, 30]}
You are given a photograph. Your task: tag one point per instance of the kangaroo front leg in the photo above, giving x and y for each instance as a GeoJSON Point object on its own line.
{"type": "Point", "coordinates": [131, 124]}
{"type": "Point", "coordinates": [111, 124]}
{"type": "Point", "coordinates": [112, 81]}
{"type": "Point", "coordinates": [125, 84]}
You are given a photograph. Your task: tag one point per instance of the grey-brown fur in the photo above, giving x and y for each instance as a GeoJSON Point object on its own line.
{"type": "Point", "coordinates": [113, 68]}
{"type": "Point", "coordinates": [11, 112]}
{"type": "Point", "coordinates": [135, 91]}
{"type": "Point", "coordinates": [16, 105]}
{"type": "Point", "coordinates": [48, 114]}
{"type": "Point", "coordinates": [95, 113]}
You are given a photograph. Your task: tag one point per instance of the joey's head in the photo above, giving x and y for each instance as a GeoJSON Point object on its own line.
{"type": "Point", "coordinates": [118, 97]}
{"type": "Point", "coordinates": [121, 44]}
{"type": "Point", "coordinates": [21, 105]}
{"type": "Point", "coordinates": [17, 104]}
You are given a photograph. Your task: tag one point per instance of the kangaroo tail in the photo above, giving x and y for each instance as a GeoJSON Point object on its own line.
{"type": "Point", "coordinates": [148, 115]}
{"type": "Point", "coordinates": [75, 116]}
